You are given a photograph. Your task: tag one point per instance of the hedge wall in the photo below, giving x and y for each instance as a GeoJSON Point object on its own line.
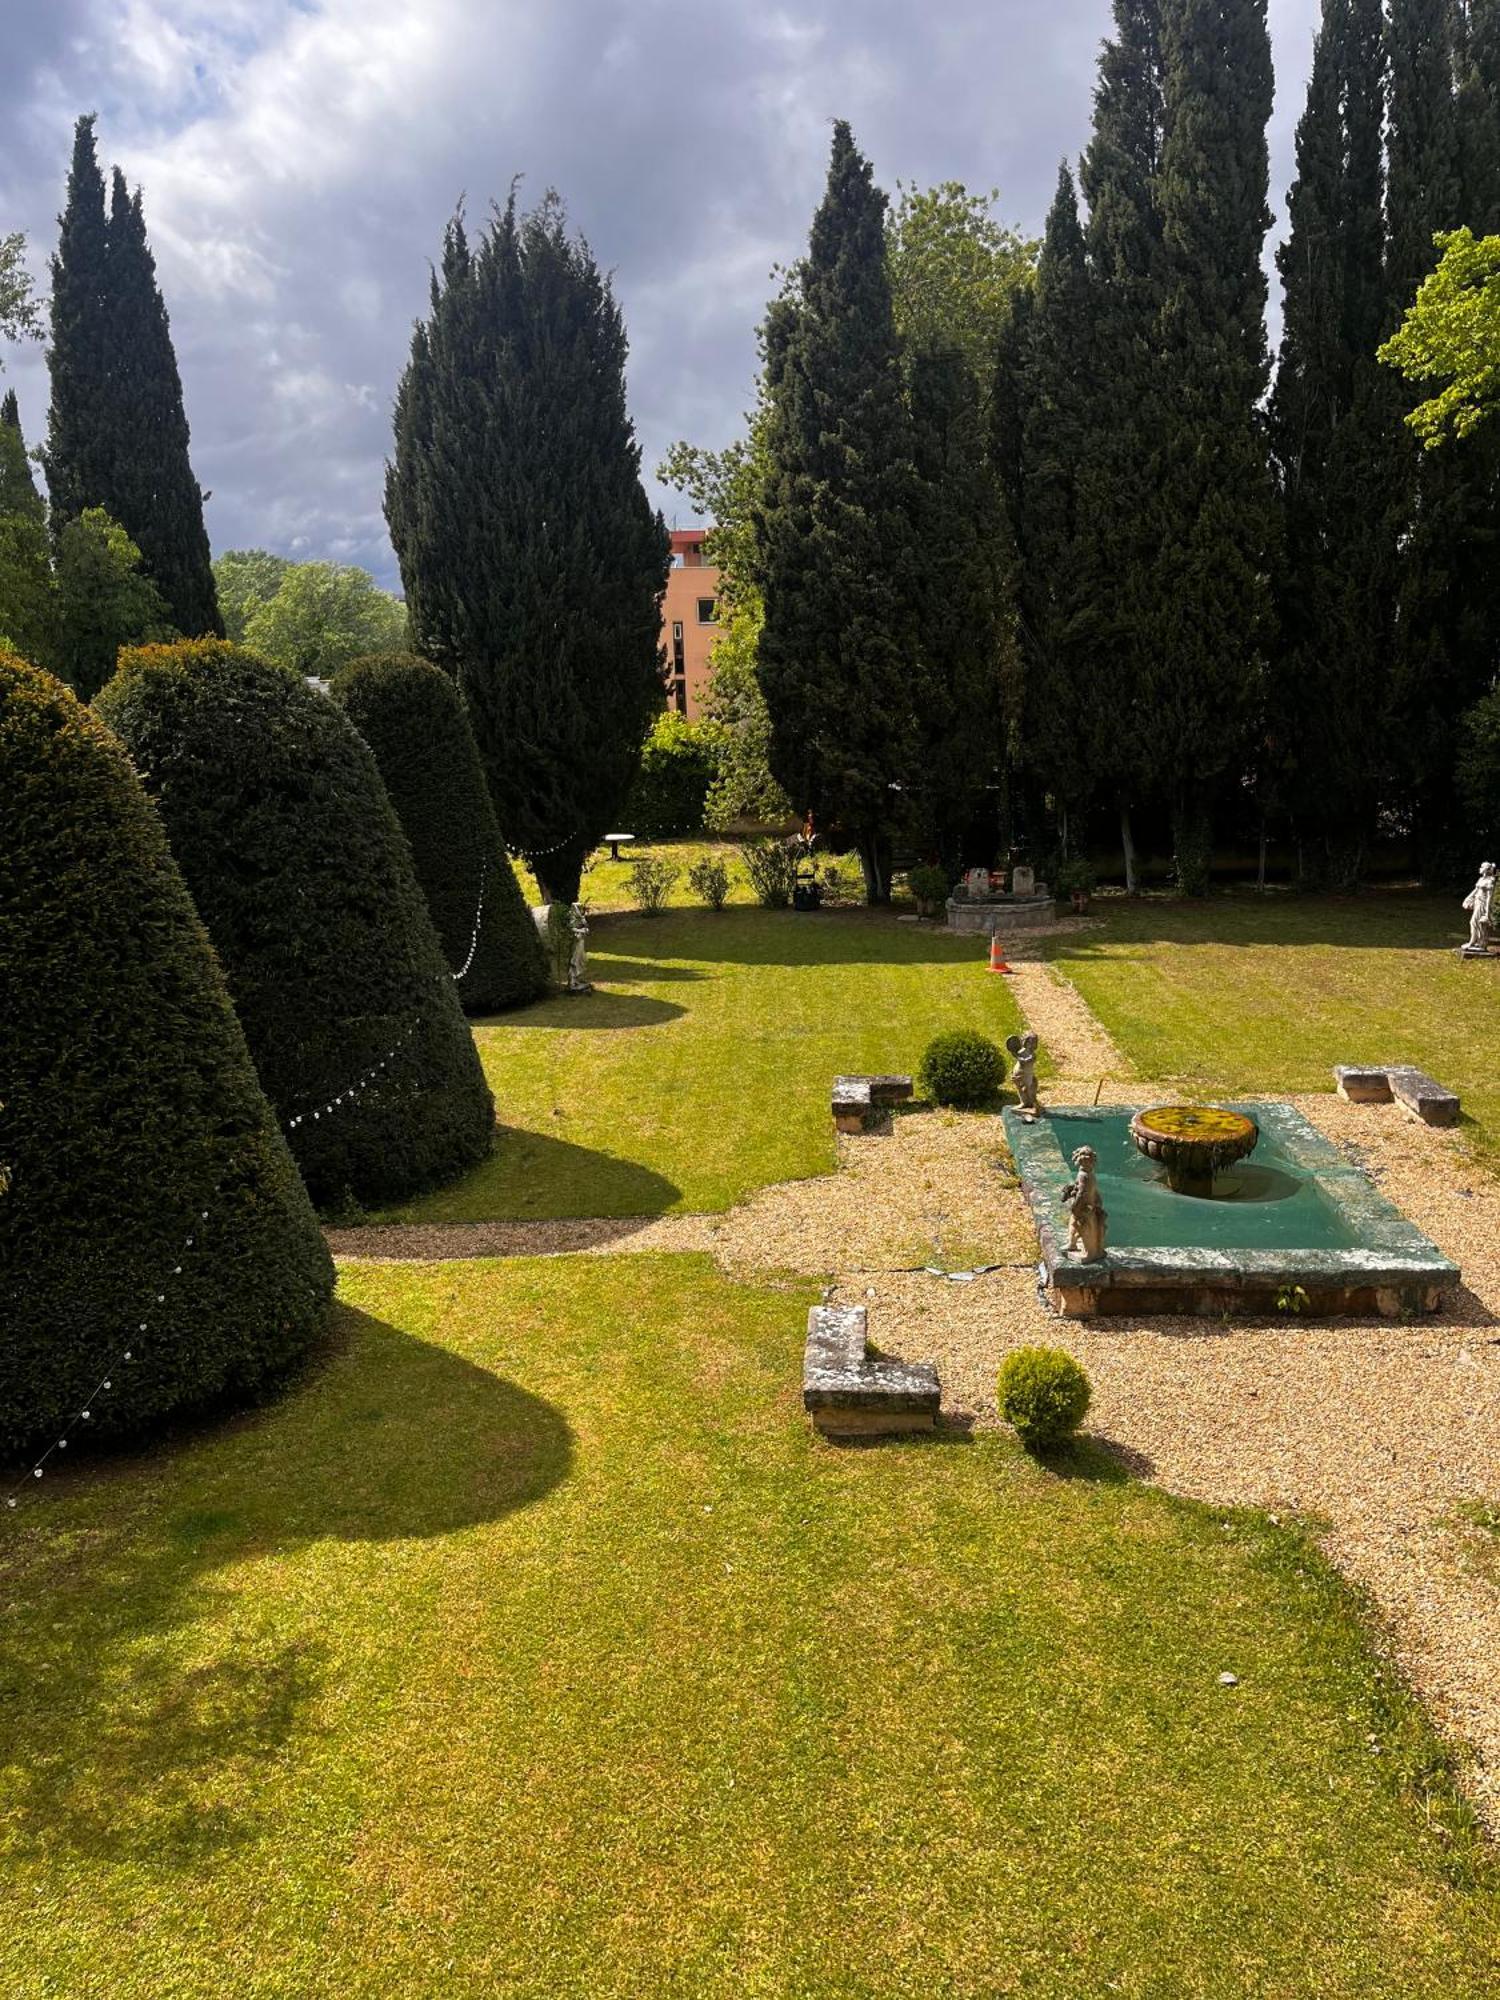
{"type": "Point", "coordinates": [130, 1106]}
{"type": "Point", "coordinates": [301, 872]}
{"type": "Point", "coordinates": [412, 716]}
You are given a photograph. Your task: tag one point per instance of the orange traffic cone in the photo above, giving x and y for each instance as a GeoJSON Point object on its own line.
{"type": "Point", "coordinates": [997, 957]}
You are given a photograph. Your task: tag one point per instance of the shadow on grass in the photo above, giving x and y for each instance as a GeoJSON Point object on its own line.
{"type": "Point", "coordinates": [1101, 1461]}
{"type": "Point", "coordinates": [793, 937]}
{"type": "Point", "coordinates": [599, 1009]}
{"type": "Point", "coordinates": [1379, 920]}
{"type": "Point", "coordinates": [140, 1697]}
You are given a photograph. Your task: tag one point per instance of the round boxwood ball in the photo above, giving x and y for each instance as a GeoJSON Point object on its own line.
{"type": "Point", "coordinates": [1043, 1394]}
{"type": "Point", "coordinates": [962, 1068]}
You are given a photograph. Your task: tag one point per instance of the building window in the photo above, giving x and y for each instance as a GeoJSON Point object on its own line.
{"type": "Point", "coordinates": [679, 696]}
{"type": "Point", "coordinates": [706, 611]}
{"type": "Point", "coordinates": [678, 560]}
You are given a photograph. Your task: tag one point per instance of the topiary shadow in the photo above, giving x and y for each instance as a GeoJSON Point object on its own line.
{"type": "Point", "coordinates": [599, 1009]}
{"type": "Point", "coordinates": [126, 1746]}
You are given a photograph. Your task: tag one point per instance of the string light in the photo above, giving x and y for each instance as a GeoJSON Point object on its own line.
{"type": "Point", "coordinates": [478, 923]}
{"type": "Point", "coordinates": [347, 1094]}
{"type": "Point", "coordinates": [541, 853]}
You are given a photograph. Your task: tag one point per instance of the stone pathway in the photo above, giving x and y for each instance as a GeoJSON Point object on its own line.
{"type": "Point", "coordinates": [1382, 1435]}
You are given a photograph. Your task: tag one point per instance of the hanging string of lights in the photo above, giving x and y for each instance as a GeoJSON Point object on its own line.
{"type": "Point", "coordinates": [478, 922]}
{"type": "Point", "coordinates": [359, 1083]}
{"type": "Point", "coordinates": [541, 853]}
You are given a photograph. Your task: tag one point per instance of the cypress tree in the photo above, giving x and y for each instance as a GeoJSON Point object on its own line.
{"type": "Point", "coordinates": [833, 550]}
{"type": "Point", "coordinates": [151, 490]}
{"type": "Point", "coordinates": [303, 878]}
{"type": "Point", "coordinates": [1117, 523]}
{"type": "Point", "coordinates": [1448, 616]}
{"type": "Point", "coordinates": [1216, 511]}
{"type": "Point", "coordinates": [412, 717]}
{"type": "Point", "coordinates": [1052, 370]}
{"type": "Point", "coordinates": [1330, 423]}
{"type": "Point", "coordinates": [18, 494]}
{"type": "Point", "coordinates": [532, 563]}
{"type": "Point", "coordinates": [80, 424]}
{"type": "Point", "coordinates": [964, 688]}
{"type": "Point", "coordinates": [143, 1177]}
{"type": "Point", "coordinates": [28, 609]}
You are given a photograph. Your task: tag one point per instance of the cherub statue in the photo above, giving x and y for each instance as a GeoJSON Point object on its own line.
{"type": "Point", "coordinates": [578, 958]}
{"type": "Point", "coordinates": [1480, 903]}
{"type": "Point", "coordinates": [1086, 1213]}
{"type": "Point", "coordinates": [1023, 1048]}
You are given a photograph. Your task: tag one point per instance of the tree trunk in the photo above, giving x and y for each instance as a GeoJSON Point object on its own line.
{"type": "Point", "coordinates": [1192, 844]}
{"type": "Point", "coordinates": [875, 862]}
{"type": "Point", "coordinates": [558, 874]}
{"type": "Point", "coordinates": [1260, 872]}
{"type": "Point", "coordinates": [1127, 843]}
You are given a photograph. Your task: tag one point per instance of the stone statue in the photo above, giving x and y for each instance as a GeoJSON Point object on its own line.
{"type": "Point", "coordinates": [1086, 1213]}
{"type": "Point", "coordinates": [578, 958]}
{"type": "Point", "coordinates": [1480, 903]}
{"type": "Point", "coordinates": [1023, 1048]}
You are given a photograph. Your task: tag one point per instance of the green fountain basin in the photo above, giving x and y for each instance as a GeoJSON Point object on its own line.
{"type": "Point", "coordinates": [1296, 1229]}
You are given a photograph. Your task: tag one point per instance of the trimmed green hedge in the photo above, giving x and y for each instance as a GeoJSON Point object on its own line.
{"type": "Point", "coordinates": [130, 1106]}
{"type": "Point", "coordinates": [301, 872]}
{"type": "Point", "coordinates": [412, 716]}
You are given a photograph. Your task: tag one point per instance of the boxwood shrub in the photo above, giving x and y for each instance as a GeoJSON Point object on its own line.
{"type": "Point", "coordinates": [1043, 1394]}
{"type": "Point", "coordinates": [412, 716]}
{"type": "Point", "coordinates": [130, 1106]}
{"type": "Point", "coordinates": [961, 1067]}
{"type": "Point", "coordinates": [302, 875]}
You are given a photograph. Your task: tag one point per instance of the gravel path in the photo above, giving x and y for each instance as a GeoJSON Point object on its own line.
{"type": "Point", "coordinates": [1380, 1434]}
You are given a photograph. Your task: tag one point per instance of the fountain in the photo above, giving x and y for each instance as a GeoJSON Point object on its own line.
{"type": "Point", "coordinates": [1215, 1209]}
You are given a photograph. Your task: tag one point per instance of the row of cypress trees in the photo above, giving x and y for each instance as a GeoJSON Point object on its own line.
{"type": "Point", "coordinates": [1234, 602]}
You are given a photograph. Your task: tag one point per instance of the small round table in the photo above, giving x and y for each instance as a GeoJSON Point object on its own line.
{"type": "Point", "coordinates": [615, 841]}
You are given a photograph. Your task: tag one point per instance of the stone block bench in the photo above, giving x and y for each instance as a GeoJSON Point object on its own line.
{"type": "Point", "coordinates": [863, 1103]}
{"type": "Point", "coordinates": [848, 1392]}
{"type": "Point", "coordinates": [1417, 1093]}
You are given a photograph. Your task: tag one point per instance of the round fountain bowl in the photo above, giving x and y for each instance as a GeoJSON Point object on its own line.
{"type": "Point", "coordinates": [1193, 1142]}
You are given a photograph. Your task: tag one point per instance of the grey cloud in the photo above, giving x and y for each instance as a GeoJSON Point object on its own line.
{"type": "Point", "coordinates": [299, 162]}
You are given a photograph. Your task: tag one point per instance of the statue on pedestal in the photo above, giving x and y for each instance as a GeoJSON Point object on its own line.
{"type": "Point", "coordinates": [1480, 903]}
{"type": "Point", "coordinates": [1023, 1048]}
{"type": "Point", "coordinates": [1086, 1212]}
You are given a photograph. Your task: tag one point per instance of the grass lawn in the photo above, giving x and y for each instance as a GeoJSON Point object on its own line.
{"type": "Point", "coordinates": [1244, 993]}
{"type": "Point", "coordinates": [606, 885]}
{"type": "Point", "coordinates": [700, 1068]}
{"type": "Point", "coordinates": [531, 1646]}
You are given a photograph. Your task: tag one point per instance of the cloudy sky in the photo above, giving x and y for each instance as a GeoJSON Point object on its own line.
{"type": "Point", "coordinates": [299, 158]}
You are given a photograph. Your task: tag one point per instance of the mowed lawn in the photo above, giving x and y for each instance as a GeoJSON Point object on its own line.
{"type": "Point", "coordinates": [1243, 993]}
{"type": "Point", "coordinates": [532, 1646]}
{"type": "Point", "coordinates": [700, 1068]}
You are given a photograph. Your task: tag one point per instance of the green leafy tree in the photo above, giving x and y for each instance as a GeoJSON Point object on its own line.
{"type": "Point", "coordinates": [743, 790]}
{"type": "Point", "coordinates": [323, 615]}
{"type": "Point", "coordinates": [1452, 329]}
{"type": "Point", "coordinates": [244, 580]}
{"type": "Point", "coordinates": [1330, 418]}
{"type": "Point", "coordinates": [1478, 772]}
{"type": "Point", "coordinates": [147, 1198]}
{"type": "Point", "coordinates": [534, 566]}
{"type": "Point", "coordinates": [954, 271]}
{"type": "Point", "coordinates": [835, 564]}
{"type": "Point", "coordinates": [412, 717]}
{"type": "Point", "coordinates": [151, 489]}
{"type": "Point", "coordinates": [1215, 506]}
{"type": "Point", "coordinates": [80, 424]}
{"type": "Point", "coordinates": [28, 610]}
{"type": "Point", "coordinates": [20, 314]}
{"type": "Point", "coordinates": [303, 877]}
{"type": "Point", "coordinates": [105, 600]}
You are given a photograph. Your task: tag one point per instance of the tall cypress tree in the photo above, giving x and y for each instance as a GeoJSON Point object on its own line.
{"type": "Point", "coordinates": [18, 494]}
{"type": "Point", "coordinates": [833, 548]}
{"type": "Point", "coordinates": [28, 599]}
{"type": "Point", "coordinates": [1211, 594]}
{"type": "Point", "coordinates": [152, 492]}
{"type": "Point", "coordinates": [1448, 622]}
{"type": "Point", "coordinates": [1052, 371]}
{"type": "Point", "coordinates": [1117, 467]}
{"type": "Point", "coordinates": [80, 426]}
{"type": "Point", "coordinates": [1330, 424]}
{"type": "Point", "coordinates": [533, 564]}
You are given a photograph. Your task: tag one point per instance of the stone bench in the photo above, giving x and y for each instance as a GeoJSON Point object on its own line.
{"type": "Point", "coordinates": [850, 1393]}
{"type": "Point", "coordinates": [1416, 1092]}
{"type": "Point", "coordinates": [863, 1103]}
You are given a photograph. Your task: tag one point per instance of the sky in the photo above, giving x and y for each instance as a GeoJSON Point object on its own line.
{"type": "Point", "coordinates": [299, 159]}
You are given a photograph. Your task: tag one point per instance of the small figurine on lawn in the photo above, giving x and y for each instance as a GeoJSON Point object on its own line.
{"type": "Point", "coordinates": [1480, 903]}
{"type": "Point", "coordinates": [1023, 1048]}
{"type": "Point", "coordinates": [1086, 1213]}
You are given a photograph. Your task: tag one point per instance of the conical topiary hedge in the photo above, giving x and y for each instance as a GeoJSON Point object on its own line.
{"type": "Point", "coordinates": [412, 717]}
{"type": "Point", "coordinates": [301, 872]}
{"type": "Point", "coordinates": [132, 1120]}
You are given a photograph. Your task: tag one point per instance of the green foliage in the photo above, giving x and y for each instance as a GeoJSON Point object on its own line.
{"type": "Point", "coordinates": [104, 600]}
{"type": "Point", "coordinates": [930, 886]}
{"type": "Point", "coordinates": [321, 616]}
{"type": "Point", "coordinates": [954, 271]}
{"type": "Point", "coordinates": [652, 880]}
{"type": "Point", "coordinates": [20, 314]}
{"type": "Point", "coordinates": [80, 422]}
{"type": "Point", "coordinates": [130, 1108]}
{"type": "Point", "coordinates": [743, 791]}
{"type": "Point", "coordinates": [411, 716]}
{"type": "Point", "coordinates": [1043, 1394]}
{"type": "Point", "coordinates": [1478, 773]}
{"type": "Point", "coordinates": [772, 868]}
{"type": "Point", "coordinates": [302, 875]}
{"type": "Point", "coordinates": [680, 763]}
{"type": "Point", "coordinates": [834, 554]}
{"type": "Point", "coordinates": [533, 564]}
{"type": "Point", "coordinates": [1453, 329]}
{"type": "Point", "coordinates": [709, 878]}
{"type": "Point", "coordinates": [245, 579]}
{"type": "Point", "coordinates": [1074, 875]}
{"type": "Point", "coordinates": [28, 606]}
{"type": "Point", "coordinates": [961, 1067]}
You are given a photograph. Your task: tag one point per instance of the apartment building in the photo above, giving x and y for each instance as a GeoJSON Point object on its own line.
{"type": "Point", "coordinates": [689, 620]}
